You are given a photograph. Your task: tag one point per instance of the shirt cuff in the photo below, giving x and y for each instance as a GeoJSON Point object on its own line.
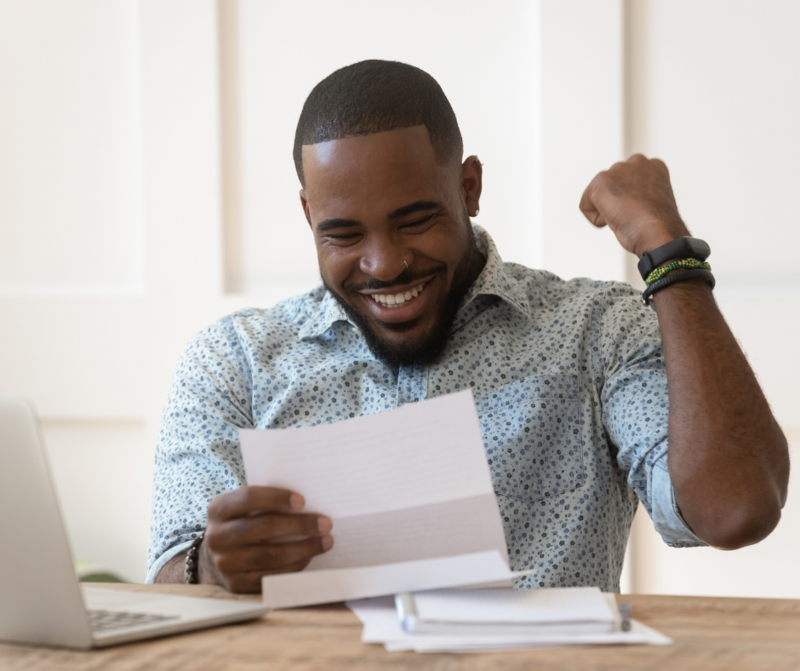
{"type": "Point", "coordinates": [666, 517]}
{"type": "Point", "coordinates": [168, 554]}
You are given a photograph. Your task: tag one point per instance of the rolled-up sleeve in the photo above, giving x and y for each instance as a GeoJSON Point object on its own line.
{"type": "Point", "coordinates": [636, 408]}
{"type": "Point", "coordinates": [198, 455]}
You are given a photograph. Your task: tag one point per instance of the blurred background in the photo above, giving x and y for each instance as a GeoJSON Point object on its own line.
{"type": "Point", "coordinates": [147, 188]}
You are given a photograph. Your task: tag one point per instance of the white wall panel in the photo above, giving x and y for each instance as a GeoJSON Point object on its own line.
{"type": "Point", "coordinates": [69, 207]}
{"type": "Point", "coordinates": [181, 148]}
{"type": "Point", "coordinates": [581, 132]}
{"type": "Point", "coordinates": [483, 54]}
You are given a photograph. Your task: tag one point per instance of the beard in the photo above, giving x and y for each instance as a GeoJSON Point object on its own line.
{"type": "Point", "coordinates": [425, 348]}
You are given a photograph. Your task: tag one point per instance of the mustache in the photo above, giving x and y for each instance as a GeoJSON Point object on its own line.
{"type": "Point", "coordinates": [406, 277]}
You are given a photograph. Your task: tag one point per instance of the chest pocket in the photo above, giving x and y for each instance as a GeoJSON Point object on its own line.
{"type": "Point", "coordinates": [532, 430]}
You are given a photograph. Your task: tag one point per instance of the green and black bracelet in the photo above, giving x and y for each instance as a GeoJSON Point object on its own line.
{"type": "Point", "coordinates": [662, 271]}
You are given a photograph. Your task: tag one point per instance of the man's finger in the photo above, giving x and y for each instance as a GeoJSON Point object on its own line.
{"type": "Point", "coordinates": [269, 526]}
{"type": "Point", "coordinates": [250, 581]}
{"type": "Point", "coordinates": [588, 206]}
{"type": "Point", "coordinates": [272, 557]}
{"type": "Point", "coordinates": [248, 500]}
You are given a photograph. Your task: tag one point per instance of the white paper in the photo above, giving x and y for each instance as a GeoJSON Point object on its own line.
{"type": "Point", "coordinates": [381, 625]}
{"type": "Point", "coordinates": [638, 635]}
{"type": "Point", "coordinates": [407, 485]}
{"type": "Point", "coordinates": [529, 606]}
{"type": "Point", "coordinates": [312, 587]}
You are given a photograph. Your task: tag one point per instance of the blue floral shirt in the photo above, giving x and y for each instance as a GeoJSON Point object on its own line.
{"type": "Point", "coordinates": [569, 384]}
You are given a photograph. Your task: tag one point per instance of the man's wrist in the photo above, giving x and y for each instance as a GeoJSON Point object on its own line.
{"type": "Point", "coordinates": [207, 573]}
{"type": "Point", "coordinates": [659, 235]}
{"type": "Point", "coordinates": [692, 288]}
{"type": "Point", "coordinates": [654, 243]}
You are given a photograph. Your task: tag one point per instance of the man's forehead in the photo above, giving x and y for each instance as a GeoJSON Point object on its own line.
{"type": "Point", "coordinates": [384, 149]}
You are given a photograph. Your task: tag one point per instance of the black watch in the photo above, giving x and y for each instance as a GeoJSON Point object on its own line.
{"type": "Point", "coordinates": [682, 248]}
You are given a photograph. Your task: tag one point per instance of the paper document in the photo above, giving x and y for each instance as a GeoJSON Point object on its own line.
{"type": "Point", "coordinates": [578, 610]}
{"type": "Point", "coordinates": [381, 625]}
{"type": "Point", "coordinates": [407, 490]}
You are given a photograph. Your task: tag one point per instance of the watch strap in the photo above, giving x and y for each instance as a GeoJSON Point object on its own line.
{"type": "Point", "coordinates": [680, 248]}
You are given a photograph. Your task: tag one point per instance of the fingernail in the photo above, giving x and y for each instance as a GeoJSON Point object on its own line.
{"type": "Point", "coordinates": [327, 543]}
{"type": "Point", "coordinates": [324, 524]}
{"type": "Point", "coordinates": [296, 502]}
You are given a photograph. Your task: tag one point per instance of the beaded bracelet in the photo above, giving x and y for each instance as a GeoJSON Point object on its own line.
{"type": "Point", "coordinates": [658, 273]}
{"type": "Point", "coordinates": [193, 561]}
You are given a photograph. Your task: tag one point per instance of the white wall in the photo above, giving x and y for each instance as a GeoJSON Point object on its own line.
{"type": "Point", "coordinates": [147, 188]}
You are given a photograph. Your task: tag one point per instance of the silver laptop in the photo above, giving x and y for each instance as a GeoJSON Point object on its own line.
{"type": "Point", "coordinates": [41, 600]}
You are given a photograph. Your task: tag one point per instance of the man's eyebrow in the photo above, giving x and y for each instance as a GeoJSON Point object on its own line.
{"type": "Point", "coordinates": [327, 224]}
{"type": "Point", "coordinates": [399, 213]}
{"type": "Point", "coordinates": [419, 206]}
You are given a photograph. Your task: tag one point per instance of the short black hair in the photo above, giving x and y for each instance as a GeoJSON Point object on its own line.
{"type": "Point", "coordinates": [375, 96]}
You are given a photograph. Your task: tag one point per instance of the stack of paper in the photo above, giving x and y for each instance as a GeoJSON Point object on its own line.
{"type": "Point", "coordinates": [484, 620]}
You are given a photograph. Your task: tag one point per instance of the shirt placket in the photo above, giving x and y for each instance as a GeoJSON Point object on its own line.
{"type": "Point", "coordinates": [412, 384]}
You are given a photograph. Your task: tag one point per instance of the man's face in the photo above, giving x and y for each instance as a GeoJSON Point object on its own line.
{"type": "Point", "coordinates": [377, 203]}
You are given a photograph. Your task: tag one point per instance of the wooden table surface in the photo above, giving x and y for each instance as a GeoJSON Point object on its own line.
{"type": "Point", "coordinates": [710, 634]}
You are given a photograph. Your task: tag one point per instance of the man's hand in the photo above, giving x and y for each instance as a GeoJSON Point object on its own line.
{"type": "Point", "coordinates": [635, 200]}
{"type": "Point", "coordinates": [257, 531]}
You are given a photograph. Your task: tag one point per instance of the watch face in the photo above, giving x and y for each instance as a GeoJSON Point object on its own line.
{"type": "Point", "coordinates": [698, 247]}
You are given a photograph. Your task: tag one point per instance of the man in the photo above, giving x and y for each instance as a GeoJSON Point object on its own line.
{"type": "Point", "coordinates": [570, 378]}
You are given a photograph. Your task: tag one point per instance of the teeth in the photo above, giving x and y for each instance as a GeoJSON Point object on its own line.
{"type": "Point", "coordinates": [396, 300]}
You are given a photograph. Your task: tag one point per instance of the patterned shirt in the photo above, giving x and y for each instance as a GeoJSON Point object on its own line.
{"type": "Point", "coordinates": [569, 384]}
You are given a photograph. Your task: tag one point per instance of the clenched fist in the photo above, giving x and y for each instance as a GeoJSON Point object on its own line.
{"type": "Point", "coordinates": [635, 200]}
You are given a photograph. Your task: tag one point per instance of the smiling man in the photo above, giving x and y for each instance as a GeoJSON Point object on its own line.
{"type": "Point", "coordinates": [570, 378]}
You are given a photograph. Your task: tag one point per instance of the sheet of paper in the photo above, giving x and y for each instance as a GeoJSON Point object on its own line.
{"type": "Point", "coordinates": [325, 586]}
{"type": "Point", "coordinates": [381, 625]}
{"type": "Point", "coordinates": [638, 635]}
{"type": "Point", "coordinates": [407, 485]}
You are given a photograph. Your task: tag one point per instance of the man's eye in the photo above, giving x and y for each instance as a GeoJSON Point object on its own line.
{"type": "Point", "coordinates": [419, 222]}
{"type": "Point", "coordinates": [344, 236]}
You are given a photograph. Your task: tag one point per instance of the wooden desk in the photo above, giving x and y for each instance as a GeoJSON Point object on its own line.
{"type": "Point", "coordinates": [711, 634]}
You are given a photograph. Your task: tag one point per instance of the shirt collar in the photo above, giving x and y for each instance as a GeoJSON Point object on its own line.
{"type": "Point", "coordinates": [328, 313]}
{"type": "Point", "coordinates": [493, 281]}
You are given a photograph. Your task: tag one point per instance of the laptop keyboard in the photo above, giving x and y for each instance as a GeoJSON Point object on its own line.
{"type": "Point", "coordinates": [104, 620]}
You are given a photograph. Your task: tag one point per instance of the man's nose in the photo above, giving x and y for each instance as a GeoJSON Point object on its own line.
{"type": "Point", "coordinates": [385, 262]}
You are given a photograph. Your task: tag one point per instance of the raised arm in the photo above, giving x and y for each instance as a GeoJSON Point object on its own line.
{"type": "Point", "coordinates": [728, 458]}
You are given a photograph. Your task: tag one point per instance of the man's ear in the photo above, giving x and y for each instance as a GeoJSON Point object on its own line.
{"type": "Point", "coordinates": [472, 184]}
{"type": "Point", "coordinates": [304, 203]}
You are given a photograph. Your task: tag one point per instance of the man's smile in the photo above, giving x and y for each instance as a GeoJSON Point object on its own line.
{"type": "Point", "coordinates": [398, 303]}
{"type": "Point", "coordinates": [394, 300]}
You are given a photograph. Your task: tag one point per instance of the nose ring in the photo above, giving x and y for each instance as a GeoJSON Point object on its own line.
{"type": "Point", "coordinates": [404, 261]}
